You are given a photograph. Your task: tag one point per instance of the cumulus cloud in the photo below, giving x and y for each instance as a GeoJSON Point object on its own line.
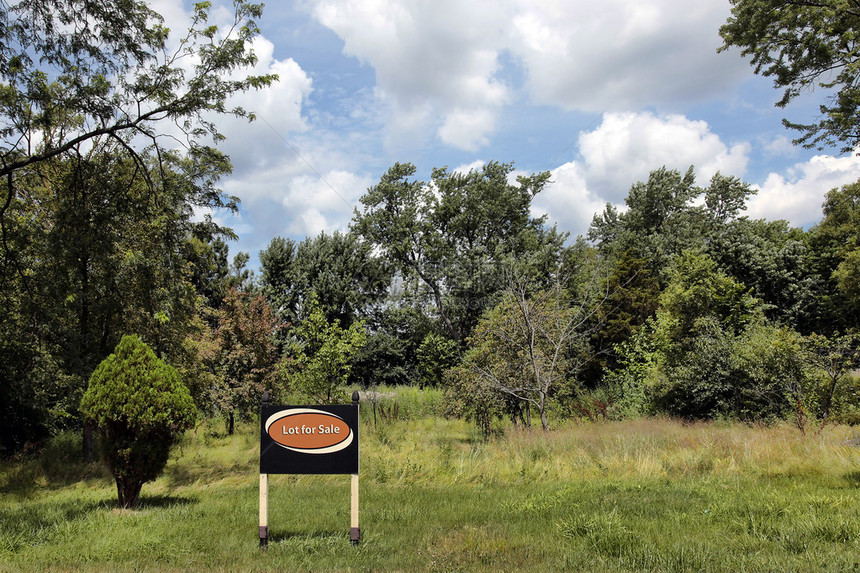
{"type": "Point", "coordinates": [797, 195]}
{"type": "Point", "coordinates": [434, 63]}
{"type": "Point", "coordinates": [624, 149]}
{"type": "Point", "coordinates": [439, 64]}
{"type": "Point", "coordinates": [616, 54]}
{"type": "Point", "coordinates": [568, 201]}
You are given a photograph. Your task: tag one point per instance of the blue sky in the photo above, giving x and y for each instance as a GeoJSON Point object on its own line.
{"type": "Point", "coordinates": [599, 93]}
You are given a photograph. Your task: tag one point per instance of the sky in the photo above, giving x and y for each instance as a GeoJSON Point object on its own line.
{"type": "Point", "coordinates": [597, 93]}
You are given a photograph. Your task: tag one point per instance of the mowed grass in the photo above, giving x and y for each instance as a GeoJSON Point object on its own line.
{"type": "Point", "coordinates": [647, 495]}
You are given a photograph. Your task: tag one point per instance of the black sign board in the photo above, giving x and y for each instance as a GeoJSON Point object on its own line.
{"type": "Point", "coordinates": [309, 439]}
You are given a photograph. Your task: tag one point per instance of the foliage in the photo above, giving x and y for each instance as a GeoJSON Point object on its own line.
{"type": "Point", "coordinates": [243, 358]}
{"type": "Point", "coordinates": [76, 71]}
{"type": "Point", "coordinates": [470, 397]}
{"type": "Point", "coordinates": [95, 254]}
{"type": "Point", "coordinates": [835, 357]}
{"type": "Point", "coordinates": [454, 234]}
{"type": "Point", "coordinates": [140, 407]}
{"type": "Point", "coordinates": [96, 226]}
{"type": "Point", "coordinates": [348, 280]}
{"type": "Point", "coordinates": [682, 362]}
{"type": "Point", "coordinates": [632, 293]}
{"type": "Point", "coordinates": [836, 248]}
{"type": "Point", "coordinates": [804, 45]}
{"type": "Point", "coordinates": [664, 218]}
{"type": "Point", "coordinates": [318, 366]}
{"type": "Point", "coordinates": [435, 355]}
{"type": "Point", "coordinates": [774, 261]}
{"type": "Point", "coordinates": [530, 344]}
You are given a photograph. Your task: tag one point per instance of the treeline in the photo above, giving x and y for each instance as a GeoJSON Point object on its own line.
{"type": "Point", "coordinates": [678, 304]}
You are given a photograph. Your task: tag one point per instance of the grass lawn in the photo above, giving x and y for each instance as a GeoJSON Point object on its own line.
{"type": "Point", "coordinates": [648, 495]}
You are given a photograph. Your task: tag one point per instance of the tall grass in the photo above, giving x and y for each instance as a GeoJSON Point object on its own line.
{"type": "Point", "coordinates": [645, 495]}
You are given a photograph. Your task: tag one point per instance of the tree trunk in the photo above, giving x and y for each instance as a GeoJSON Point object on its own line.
{"type": "Point", "coordinates": [829, 399]}
{"type": "Point", "coordinates": [230, 424]}
{"type": "Point", "coordinates": [542, 407]}
{"type": "Point", "coordinates": [128, 492]}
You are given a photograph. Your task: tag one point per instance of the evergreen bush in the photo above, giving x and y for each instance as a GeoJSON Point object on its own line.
{"type": "Point", "coordinates": [140, 407]}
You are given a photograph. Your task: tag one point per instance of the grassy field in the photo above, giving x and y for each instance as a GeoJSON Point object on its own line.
{"type": "Point", "coordinates": [648, 495]}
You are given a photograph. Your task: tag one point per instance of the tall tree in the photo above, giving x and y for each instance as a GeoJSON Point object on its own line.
{"type": "Point", "coordinates": [804, 45]}
{"type": "Point", "coordinates": [347, 279]}
{"type": "Point", "coordinates": [531, 344]}
{"type": "Point", "coordinates": [95, 212]}
{"type": "Point", "coordinates": [455, 233]}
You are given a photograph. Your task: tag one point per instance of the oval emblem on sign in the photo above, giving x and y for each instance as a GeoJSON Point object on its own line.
{"type": "Point", "coordinates": [309, 431]}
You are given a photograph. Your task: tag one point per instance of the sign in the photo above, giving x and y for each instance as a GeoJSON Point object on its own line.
{"type": "Point", "coordinates": [309, 439]}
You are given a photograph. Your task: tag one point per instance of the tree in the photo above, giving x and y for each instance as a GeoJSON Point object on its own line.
{"type": "Point", "coordinates": [804, 45]}
{"type": "Point", "coordinates": [835, 245]}
{"type": "Point", "coordinates": [96, 254]}
{"type": "Point", "coordinates": [681, 361]}
{"type": "Point", "coordinates": [140, 407]}
{"type": "Point", "coordinates": [319, 368]}
{"type": "Point", "coordinates": [775, 261]}
{"type": "Point", "coordinates": [436, 355]}
{"type": "Point", "coordinates": [74, 71]}
{"type": "Point", "coordinates": [531, 343]}
{"type": "Point", "coordinates": [243, 358]}
{"type": "Point", "coordinates": [835, 357]}
{"type": "Point", "coordinates": [455, 233]}
{"type": "Point", "coordinates": [95, 210]}
{"type": "Point", "coordinates": [660, 221]}
{"type": "Point", "coordinates": [347, 279]}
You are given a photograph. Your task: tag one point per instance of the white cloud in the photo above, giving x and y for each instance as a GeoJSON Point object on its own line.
{"type": "Point", "coordinates": [438, 64]}
{"type": "Point", "coordinates": [626, 147]}
{"type": "Point", "coordinates": [616, 54]}
{"type": "Point", "coordinates": [568, 201]}
{"type": "Point", "coordinates": [797, 195]}
{"type": "Point", "coordinates": [779, 146]}
{"type": "Point", "coordinates": [435, 64]}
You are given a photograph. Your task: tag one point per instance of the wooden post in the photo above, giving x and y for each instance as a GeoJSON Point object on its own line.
{"type": "Point", "coordinates": [264, 499]}
{"type": "Point", "coordinates": [264, 511]}
{"type": "Point", "coordinates": [354, 530]}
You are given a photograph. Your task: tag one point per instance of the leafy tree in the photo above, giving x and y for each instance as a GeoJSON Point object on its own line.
{"type": "Point", "coordinates": [140, 407]}
{"type": "Point", "coordinates": [835, 245]}
{"type": "Point", "coordinates": [74, 71]}
{"type": "Point", "coordinates": [632, 295]}
{"type": "Point", "coordinates": [835, 357]}
{"type": "Point", "coordinates": [244, 358]}
{"type": "Point", "coordinates": [681, 362]}
{"type": "Point", "coordinates": [472, 398]}
{"type": "Point", "coordinates": [348, 280]}
{"type": "Point", "coordinates": [95, 211]}
{"type": "Point", "coordinates": [774, 260]}
{"type": "Point", "coordinates": [659, 223]}
{"type": "Point", "coordinates": [455, 233]}
{"type": "Point", "coordinates": [97, 254]}
{"type": "Point", "coordinates": [319, 368]}
{"type": "Point", "coordinates": [530, 344]}
{"type": "Point", "coordinates": [436, 355]}
{"type": "Point", "coordinates": [804, 45]}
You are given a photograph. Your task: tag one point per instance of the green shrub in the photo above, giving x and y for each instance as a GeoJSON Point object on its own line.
{"type": "Point", "coordinates": [140, 407]}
